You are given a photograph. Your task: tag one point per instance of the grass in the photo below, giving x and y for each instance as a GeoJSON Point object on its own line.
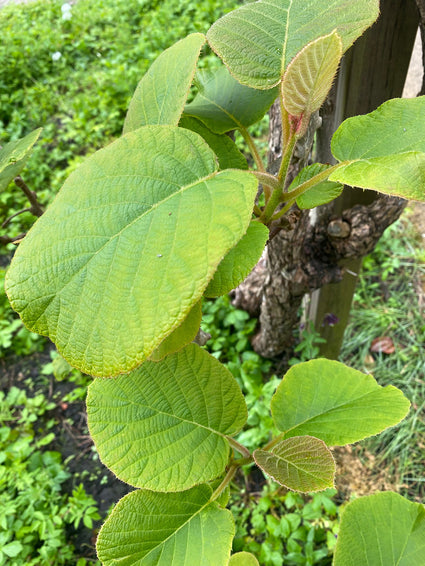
{"type": "Point", "coordinates": [387, 304]}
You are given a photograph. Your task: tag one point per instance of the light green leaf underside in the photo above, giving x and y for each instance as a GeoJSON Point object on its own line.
{"type": "Point", "coordinates": [13, 157]}
{"type": "Point", "coordinates": [257, 41]}
{"type": "Point", "coordinates": [385, 149]}
{"type": "Point", "coordinates": [340, 405]}
{"type": "Point", "coordinates": [228, 155]}
{"type": "Point", "coordinates": [243, 559]}
{"type": "Point", "coordinates": [128, 247]}
{"type": "Point", "coordinates": [163, 426]}
{"type": "Point", "coordinates": [181, 336]}
{"type": "Point", "coordinates": [310, 75]}
{"type": "Point", "coordinates": [384, 529]}
{"type": "Point", "coordinates": [164, 529]}
{"type": "Point", "coordinates": [401, 175]}
{"type": "Point", "coordinates": [302, 463]}
{"type": "Point", "coordinates": [161, 94]}
{"type": "Point", "coordinates": [397, 126]}
{"type": "Point", "coordinates": [223, 104]}
{"type": "Point", "coordinates": [319, 194]}
{"type": "Point", "coordinates": [239, 262]}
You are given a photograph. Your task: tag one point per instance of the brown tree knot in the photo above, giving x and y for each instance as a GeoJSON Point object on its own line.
{"type": "Point", "coordinates": [339, 229]}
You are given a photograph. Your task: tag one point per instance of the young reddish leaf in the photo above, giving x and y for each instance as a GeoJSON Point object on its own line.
{"type": "Point", "coordinates": [309, 77]}
{"type": "Point", "coordinates": [300, 463]}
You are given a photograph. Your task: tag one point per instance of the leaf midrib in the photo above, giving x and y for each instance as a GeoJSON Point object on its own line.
{"type": "Point", "coordinates": [166, 414]}
{"type": "Point", "coordinates": [174, 533]}
{"type": "Point", "coordinates": [297, 467]}
{"type": "Point", "coordinates": [328, 411]}
{"type": "Point", "coordinates": [226, 112]}
{"type": "Point", "coordinates": [137, 219]}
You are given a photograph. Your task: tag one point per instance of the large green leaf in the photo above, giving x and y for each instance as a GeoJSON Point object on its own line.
{"type": "Point", "coordinates": [301, 463]}
{"type": "Point", "coordinates": [163, 426]}
{"type": "Point", "coordinates": [309, 77]}
{"type": "Point", "coordinates": [319, 194]}
{"type": "Point", "coordinates": [258, 40]}
{"type": "Point", "coordinates": [381, 530]}
{"type": "Point", "coordinates": [161, 94]}
{"type": "Point", "coordinates": [384, 150]}
{"type": "Point", "coordinates": [228, 155]}
{"type": "Point", "coordinates": [14, 155]}
{"type": "Point", "coordinates": [167, 529]}
{"type": "Point", "coordinates": [181, 336]}
{"type": "Point", "coordinates": [223, 104]}
{"type": "Point", "coordinates": [239, 262]}
{"type": "Point", "coordinates": [340, 405]}
{"type": "Point", "coordinates": [128, 247]}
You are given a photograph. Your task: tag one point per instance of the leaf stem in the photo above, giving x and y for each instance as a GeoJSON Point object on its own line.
{"type": "Point", "coordinates": [291, 197]}
{"type": "Point", "coordinates": [35, 208]}
{"type": "Point", "coordinates": [243, 451]}
{"type": "Point", "coordinates": [286, 127]}
{"type": "Point", "coordinates": [286, 158]}
{"type": "Point", "coordinates": [252, 148]}
{"type": "Point", "coordinates": [227, 479]}
{"type": "Point", "coordinates": [266, 179]}
{"type": "Point", "coordinates": [310, 183]}
{"type": "Point", "coordinates": [8, 220]}
{"type": "Point", "coordinates": [273, 442]}
{"type": "Point", "coordinates": [282, 211]}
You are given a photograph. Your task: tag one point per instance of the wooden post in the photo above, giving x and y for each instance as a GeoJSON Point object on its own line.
{"type": "Point", "coordinates": [373, 71]}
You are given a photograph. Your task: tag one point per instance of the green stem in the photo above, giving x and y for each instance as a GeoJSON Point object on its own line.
{"type": "Point", "coordinates": [227, 479]}
{"type": "Point", "coordinates": [277, 194]}
{"type": "Point", "coordinates": [291, 197]}
{"type": "Point", "coordinates": [243, 461]}
{"type": "Point", "coordinates": [252, 148]}
{"type": "Point", "coordinates": [282, 211]}
{"type": "Point", "coordinates": [257, 210]}
{"type": "Point", "coordinates": [286, 158]}
{"type": "Point", "coordinates": [310, 183]}
{"type": "Point", "coordinates": [243, 451]}
{"type": "Point", "coordinates": [273, 442]}
{"type": "Point", "coordinates": [267, 179]}
{"type": "Point", "coordinates": [286, 127]}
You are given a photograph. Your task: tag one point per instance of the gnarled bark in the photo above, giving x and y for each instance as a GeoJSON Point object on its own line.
{"type": "Point", "coordinates": [308, 254]}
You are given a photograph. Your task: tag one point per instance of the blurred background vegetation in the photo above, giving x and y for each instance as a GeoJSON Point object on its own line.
{"type": "Point", "coordinates": [71, 68]}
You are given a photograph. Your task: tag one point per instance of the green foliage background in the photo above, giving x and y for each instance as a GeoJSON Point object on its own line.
{"type": "Point", "coordinates": [75, 76]}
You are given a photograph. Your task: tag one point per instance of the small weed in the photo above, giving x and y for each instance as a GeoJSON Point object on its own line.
{"type": "Point", "coordinates": [308, 345]}
{"type": "Point", "coordinates": [61, 370]}
{"type": "Point", "coordinates": [14, 337]}
{"type": "Point", "coordinates": [34, 513]}
{"type": "Point", "coordinates": [231, 330]}
{"type": "Point", "coordinates": [285, 528]}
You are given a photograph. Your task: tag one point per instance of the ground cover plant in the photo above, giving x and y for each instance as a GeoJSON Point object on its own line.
{"type": "Point", "coordinates": [115, 269]}
{"type": "Point", "coordinates": [34, 513]}
{"type": "Point", "coordinates": [73, 68]}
